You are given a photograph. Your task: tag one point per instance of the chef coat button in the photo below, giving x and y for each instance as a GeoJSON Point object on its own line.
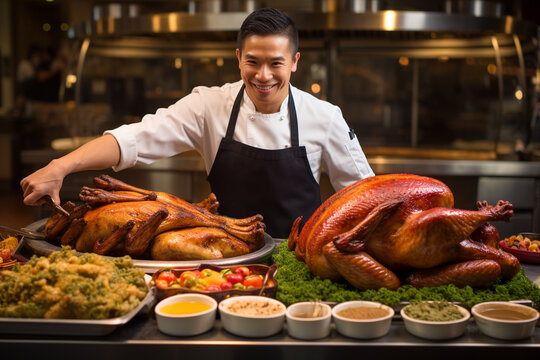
{"type": "Point", "coordinates": [252, 118]}
{"type": "Point", "coordinates": [287, 145]}
{"type": "Point", "coordinates": [280, 118]}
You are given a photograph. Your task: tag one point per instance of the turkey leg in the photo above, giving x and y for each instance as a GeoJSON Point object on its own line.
{"type": "Point", "coordinates": [73, 231]}
{"type": "Point", "coordinates": [479, 273]}
{"type": "Point", "coordinates": [136, 244]}
{"type": "Point", "coordinates": [108, 183]}
{"type": "Point", "coordinates": [55, 228]}
{"type": "Point", "coordinates": [96, 197]}
{"type": "Point", "coordinates": [104, 246]}
{"type": "Point", "coordinates": [472, 250]}
{"type": "Point", "coordinates": [360, 269]}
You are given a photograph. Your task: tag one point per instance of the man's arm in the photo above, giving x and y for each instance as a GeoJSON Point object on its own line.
{"type": "Point", "coordinates": [98, 154]}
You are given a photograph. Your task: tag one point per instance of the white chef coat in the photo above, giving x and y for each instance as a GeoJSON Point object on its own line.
{"type": "Point", "coordinates": [199, 121]}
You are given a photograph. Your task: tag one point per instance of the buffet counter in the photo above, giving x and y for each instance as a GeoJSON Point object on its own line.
{"type": "Point", "coordinates": [141, 338]}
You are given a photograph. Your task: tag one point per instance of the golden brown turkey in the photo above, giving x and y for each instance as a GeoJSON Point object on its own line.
{"type": "Point", "coordinates": [122, 219]}
{"type": "Point", "coordinates": [384, 226]}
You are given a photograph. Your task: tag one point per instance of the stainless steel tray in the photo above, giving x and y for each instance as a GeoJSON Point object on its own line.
{"type": "Point", "coordinates": [42, 247]}
{"type": "Point", "coordinates": [74, 326]}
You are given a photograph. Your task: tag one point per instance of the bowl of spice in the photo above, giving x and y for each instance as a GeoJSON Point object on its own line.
{"type": "Point", "coordinates": [252, 316]}
{"type": "Point", "coordinates": [505, 320]}
{"type": "Point", "coordinates": [309, 320]}
{"type": "Point", "coordinates": [362, 319]}
{"type": "Point", "coordinates": [186, 314]}
{"type": "Point", "coordinates": [435, 320]}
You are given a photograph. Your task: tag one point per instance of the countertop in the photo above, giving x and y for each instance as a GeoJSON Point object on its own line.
{"type": "Point", "coordinates": [141, 338]}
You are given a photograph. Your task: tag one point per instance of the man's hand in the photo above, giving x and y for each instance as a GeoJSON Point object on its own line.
{"type": "Point", "coordinates": [46, 181]}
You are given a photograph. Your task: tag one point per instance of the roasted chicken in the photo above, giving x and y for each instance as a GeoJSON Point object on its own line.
{"type": "Point", "coordinates": [122, 219]}
{"type": "Point", "coordinates": [386, 229]}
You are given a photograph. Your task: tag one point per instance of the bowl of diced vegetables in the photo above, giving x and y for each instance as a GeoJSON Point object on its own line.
{"type": "Point", "coordinates": [219, 282]}
{"type": "Point", "coordinates": [524, 246]}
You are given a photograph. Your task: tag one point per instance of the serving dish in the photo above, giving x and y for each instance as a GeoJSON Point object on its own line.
{"type": "Point", "coordinates": [269, 290]}
{"type": "Point", "coordinates": [186, 324]}
{"type": "Point", "coordinates": [309, 320]}
{"type": "Point", "coordinates": [436, 330]}
{"type": "Point", "coordinates": [505, 329]}
{"type": "Point", "coordinates": [362, 328]}
{"type": "Point", "coordinates": [251, 325]}
{"type": "Point", "coordinates": [75, 327]}
{"type": "Point", "coordinates": [41, 247]}
{"type": "Point", "coordinates": [522, 255]}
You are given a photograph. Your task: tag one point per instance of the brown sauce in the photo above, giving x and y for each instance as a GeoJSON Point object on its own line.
{"type": "Point", "coordinates": [363, 313]}
{"type": "Point", "coordinates": [503, 312]}
{"type": "Point", "coordinates": [311, 315]}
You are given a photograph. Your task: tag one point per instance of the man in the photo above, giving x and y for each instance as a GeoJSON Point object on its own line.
{"type": "Point", "coordinates": [264, 142]}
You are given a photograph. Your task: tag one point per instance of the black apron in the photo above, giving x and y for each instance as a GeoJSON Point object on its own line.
{"type": "Point", "coordinates": [277, 184]}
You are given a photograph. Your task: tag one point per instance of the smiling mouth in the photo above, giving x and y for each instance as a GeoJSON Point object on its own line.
{"type": "Point", "coordinates": [263, 87]}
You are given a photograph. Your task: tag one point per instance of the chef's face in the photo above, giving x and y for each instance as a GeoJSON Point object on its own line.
{"type": "Point", "coordinates": [266, 63]}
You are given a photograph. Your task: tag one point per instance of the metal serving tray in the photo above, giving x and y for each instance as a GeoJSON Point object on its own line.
{"type": "Point", "coordinates": [77, 327]}
{"type": "Point", "coordinates": [42, 247]}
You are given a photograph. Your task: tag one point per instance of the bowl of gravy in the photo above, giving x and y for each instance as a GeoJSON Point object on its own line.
{"type": "Point", "coordinates": [309, 320]}
{"type": "Point", "coordinates": [362, 319]}
{"type": "Point", "coordinates": [505, 320]}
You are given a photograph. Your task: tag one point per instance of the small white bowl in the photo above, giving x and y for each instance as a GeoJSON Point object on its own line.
{"type": "Point", "coordinates": [436, 330]}
{"type": "Point", "coordinates": [309, 328]}
{"type": "Point", "coordinates": [190, 324]}
{"type": "Point", "coordinates": [362, 329]}
{"type": "Point", "coordinates": [505, 329]}
{"type": "Point", "coordinates": [251, 325]}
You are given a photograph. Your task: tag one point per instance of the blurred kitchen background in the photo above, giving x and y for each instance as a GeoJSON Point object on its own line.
{"type": "Point", "coordinates": [442, 88]}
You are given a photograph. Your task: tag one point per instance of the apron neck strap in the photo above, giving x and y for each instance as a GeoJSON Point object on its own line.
{"type": "Point", "coordinates": [293, 123]}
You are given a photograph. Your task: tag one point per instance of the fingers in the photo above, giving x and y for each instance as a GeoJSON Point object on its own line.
{"type": "Point", "coordinates": [34, 190]}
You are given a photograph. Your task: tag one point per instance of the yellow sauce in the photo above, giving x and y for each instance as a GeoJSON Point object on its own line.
{"type": "Point", "coordinates": [185, 308]}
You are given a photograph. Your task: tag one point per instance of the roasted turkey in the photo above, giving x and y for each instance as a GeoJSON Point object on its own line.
{"type": "Point", "coordinates": [117, 218]}
{"type": "Point", "coordinates": [386, 229]}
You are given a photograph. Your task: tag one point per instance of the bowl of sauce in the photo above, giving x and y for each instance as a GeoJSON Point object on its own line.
{"type": "Point", "coordinates": [309, 320]}
{"type": "Point", "coordinates": [252, 316]}
{"type": "Point", "coordinates": [186, 314]}
{"type": "Point", "coordinates": [362, 319]}
{"type": "Point", "coordinates": [435, 320]}
{"type": "Point", "coordinates": [505, 320]}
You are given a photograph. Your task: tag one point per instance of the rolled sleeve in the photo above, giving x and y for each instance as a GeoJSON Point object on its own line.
{"type": "Point", "coordinates": [128, 147]}
{"type": "Point", "coordinates": [166, 133]}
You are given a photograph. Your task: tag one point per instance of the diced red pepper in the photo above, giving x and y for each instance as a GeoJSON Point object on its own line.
{"type": "Point", "coordinates": [244, 270]}
{"type": "Point", "coordinates": [234, 278]}
{"type": "Point", "coordinates": [226, 286]}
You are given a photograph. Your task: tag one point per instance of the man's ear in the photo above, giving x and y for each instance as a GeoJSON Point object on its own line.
{"type": "Point", "coordinates": [238, 56]}
{"type": "Point", "coordinates": [295, 62]}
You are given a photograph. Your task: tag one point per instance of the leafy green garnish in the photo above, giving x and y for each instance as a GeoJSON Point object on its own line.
{"type": "Point", "coordinates": [296, 283]}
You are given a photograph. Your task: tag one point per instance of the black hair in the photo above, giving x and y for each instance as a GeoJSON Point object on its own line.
{"type": "Point", "coordinates": [269, 21]}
